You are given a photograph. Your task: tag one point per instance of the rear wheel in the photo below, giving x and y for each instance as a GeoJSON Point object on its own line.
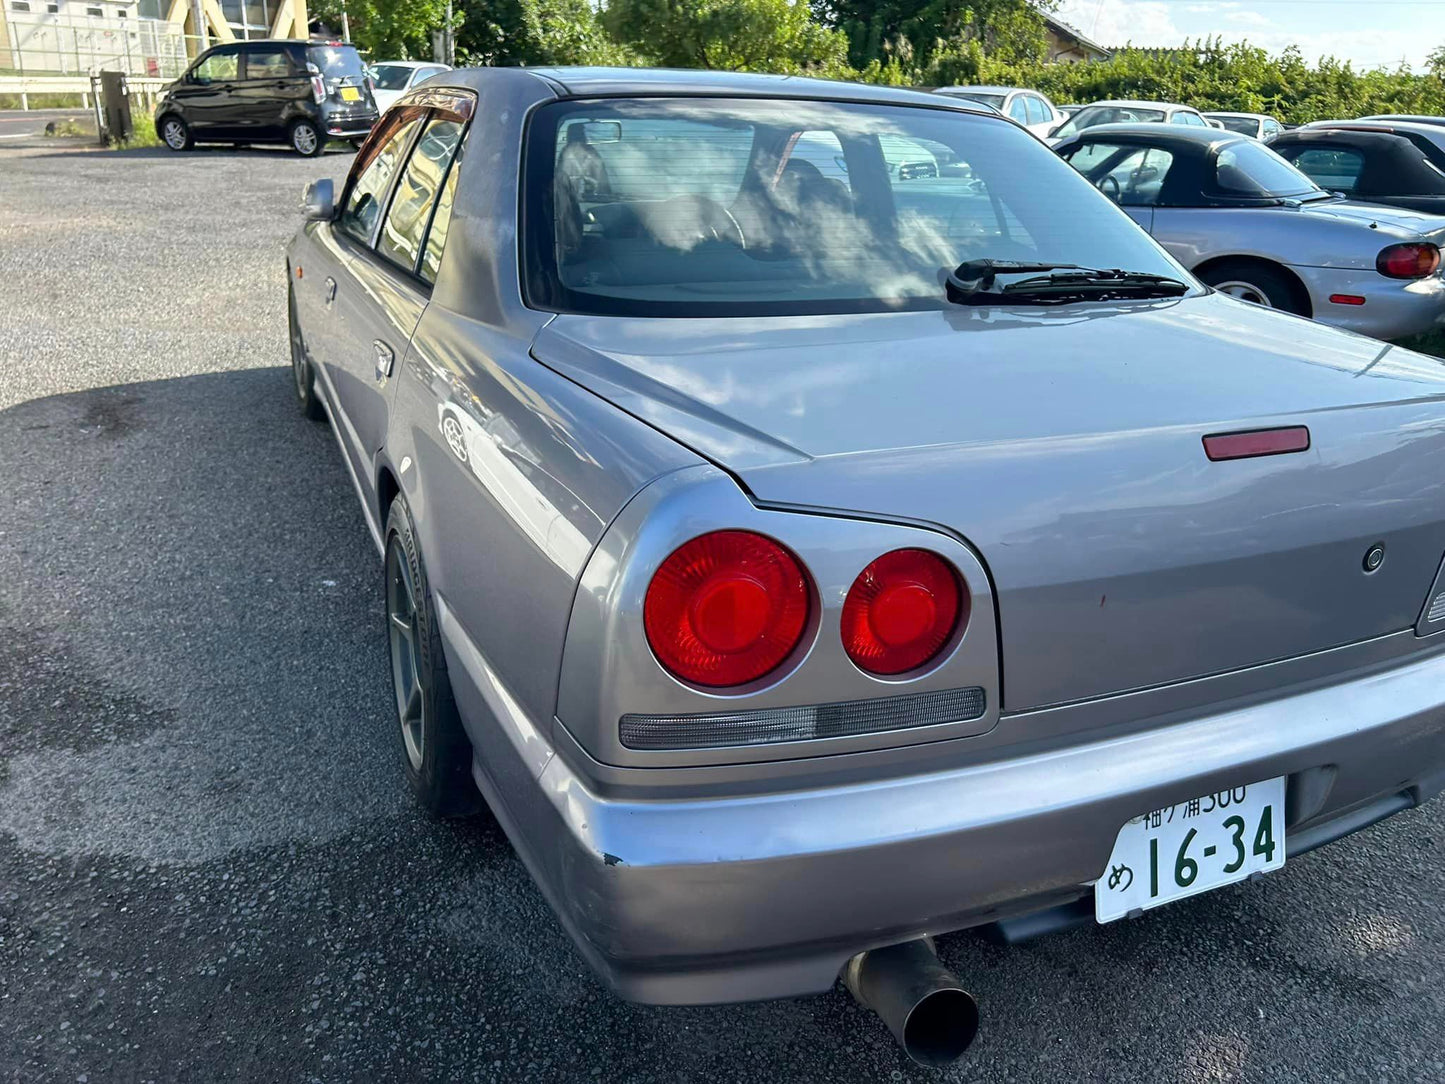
{"type": "Point", "coordinates": [436, 755]}
{"type": "Point", "coordinates": [306, 139]}
{"type": "Point", "coordinates": [301, 372]}
{"type": "Point", "coordinates": [176, 133]}
{"type": "Point", "coordinates": [1258, 283]}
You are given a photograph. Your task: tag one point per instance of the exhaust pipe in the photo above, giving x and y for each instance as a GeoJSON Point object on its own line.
{"type": "Point", "coordinates": [931, 1015]}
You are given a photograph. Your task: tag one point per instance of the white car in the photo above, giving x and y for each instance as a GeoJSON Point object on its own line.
{"type": "Point", "coordinates": [1258, 126]}
{"type": "Point", "coordinates": [1128, 112]}
{"type": "Point", "coordinates": [393, 78]}
{"type": "Point", "coordinates": [1026, 107]}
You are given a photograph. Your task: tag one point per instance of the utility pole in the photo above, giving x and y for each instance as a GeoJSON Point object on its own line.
{"type": "Point", "coordinates": [345, 23]}
{"type": "Point", "coordinates": [198, 18]}
{"type": "Point", "coordinates": [451, 48]}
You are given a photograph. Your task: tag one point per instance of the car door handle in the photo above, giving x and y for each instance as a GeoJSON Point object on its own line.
{"type": "Point", "coordinates": [385, 359]}
{"type": "Point", "coordinates": [330, 291]}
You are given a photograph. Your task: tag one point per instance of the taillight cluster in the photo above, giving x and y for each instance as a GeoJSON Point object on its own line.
{"type": "Point", "coordinates": [730, 607]}
{"type": "Point", "coordinates": [1416, 260]}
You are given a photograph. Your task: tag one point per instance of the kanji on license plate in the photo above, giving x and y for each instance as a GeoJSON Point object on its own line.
{"type": "Point", "coordinates": [1189, 848]}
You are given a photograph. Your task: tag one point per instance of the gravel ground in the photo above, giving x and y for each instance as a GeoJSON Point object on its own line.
{"type": "Point", "coordinates": [209, 867]}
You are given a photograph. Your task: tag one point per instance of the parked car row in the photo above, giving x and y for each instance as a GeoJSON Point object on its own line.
{"type": "Point", "coordinates": [747, 430]}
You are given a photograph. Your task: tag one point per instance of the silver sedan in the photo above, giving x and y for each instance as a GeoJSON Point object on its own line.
{"type": "Point", "coordinates": [1248, 223]}
{"type": "Point", "coordinates": [803, 564]}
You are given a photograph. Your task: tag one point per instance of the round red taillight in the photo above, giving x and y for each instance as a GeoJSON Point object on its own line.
{"type": "Point", "coordinates": [1410, 261]}
{"type": "Point", "coordinates": [726, 608]}
{"type": "Point", "coordinates": [901, 611]}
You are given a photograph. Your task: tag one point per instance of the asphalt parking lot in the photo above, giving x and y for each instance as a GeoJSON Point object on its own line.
{"type": "Point", "coordinates": [210, 868]}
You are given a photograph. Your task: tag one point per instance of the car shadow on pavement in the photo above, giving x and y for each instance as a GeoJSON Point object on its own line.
{"type": "Point", "coordinates": [208, 856]}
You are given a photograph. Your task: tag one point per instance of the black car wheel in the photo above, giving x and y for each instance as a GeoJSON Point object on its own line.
{"type": "Point", "coordinates": [176, 133]}
{"type": "Point", "coordinates": [306, 139]}
{"type": "Point", "coordinates": [301, 371]}
{"type": "Point", "coordinates": [1257, 282]}
{"type": "Point", "coordinates": [435, 752]}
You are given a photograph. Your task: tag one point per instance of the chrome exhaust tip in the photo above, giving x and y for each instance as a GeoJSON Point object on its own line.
{"type": "Point", "coordinates": [929, 1012]}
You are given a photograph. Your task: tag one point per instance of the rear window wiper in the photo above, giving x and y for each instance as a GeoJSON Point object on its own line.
{"type": "Point", "coordinates": [975, 282]}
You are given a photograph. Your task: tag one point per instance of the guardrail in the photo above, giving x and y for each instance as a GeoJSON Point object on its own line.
{"type": "Point", "coordinates": [146, 87]}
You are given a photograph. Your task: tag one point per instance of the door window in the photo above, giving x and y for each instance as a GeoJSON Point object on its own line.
{"type": "Point", "coordinates": [436, 236]}
{"type": "Point", "coordinates": [1185, 117]}
{"type": "Point", "coordinates": [1038, 111]}
{"type": "Point", "coordinates": [417, 191]}
{"type": "Point", "coordinates": [1335, 169]}
{"type": "Point", "coordinates": [267, 62]}
{"type": "Point", "coordinates": [371, 177]}
{"type": "Point", "coordinates": [1132, 181]}
{"type": "Point", "coordinates": [1018, 109]}
{"type": "Point", "coordinates": [220, 66]}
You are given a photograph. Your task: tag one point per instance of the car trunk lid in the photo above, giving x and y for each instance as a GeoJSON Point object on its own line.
{"type": "Point", "coordinates": [1066, 446]}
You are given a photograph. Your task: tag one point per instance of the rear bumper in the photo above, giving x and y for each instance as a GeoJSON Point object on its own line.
{"type": "Point", "coordinates": [726, 899]}
{"type": "Point", "coordinates": [1392, 308]}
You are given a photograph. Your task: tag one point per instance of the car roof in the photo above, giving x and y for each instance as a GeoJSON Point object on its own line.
{"type": "Point", "coordinates": [1433, 132]}
{"type": "Point", "coordinates": [583, 82]}
{"type": "Point", "coordinates": [408, 63]}
{"type": "Point", "coordinates": [1177, 134]}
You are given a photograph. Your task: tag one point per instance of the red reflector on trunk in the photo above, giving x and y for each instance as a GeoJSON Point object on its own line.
{"type": "Point", "coordinates": [1256, 442]}
{"type": "Point", "coordinates": [1346, 299]}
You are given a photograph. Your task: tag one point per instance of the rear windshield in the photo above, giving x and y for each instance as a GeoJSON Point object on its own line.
{"type": "Point", "coordinates": [704, 206]}
{"type": "Point", "coordinates": [1252, 169]}
{"type": "Point", "coordinates": [390, 76]}
{"type": "Point", "coordinates": [1243, 125]}
{"type": "Point", "coordinates": [1093, 115]}
{"type": "Point", "coordinates": [337, 61]}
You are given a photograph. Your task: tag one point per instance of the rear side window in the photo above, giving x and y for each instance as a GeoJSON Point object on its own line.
{"type": "Point", "coordinates": [1018, 109]}
{"type": "Point", "coordinates": [1038, 111]}
{"type": "Point", "coordinates": [1336, 169]}
{"type": "Point", "coordinates": [436, 237]}
{"type": "Point", "coordinates": [267, 62]}
{"type": "Point", "coordinates": [417, 191]}
{"type": "Point", "coordinates": [1189, 118]}
{"type": "Point", "coordinates": [368, 188]}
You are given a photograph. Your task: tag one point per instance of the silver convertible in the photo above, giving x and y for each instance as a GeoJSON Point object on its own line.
{"type": "Point", "coordinates": [803, 566]}
{"type": "Point", "coordinates": [1250, 224]}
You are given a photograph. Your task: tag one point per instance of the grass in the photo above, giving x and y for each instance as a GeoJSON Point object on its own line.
{"type": "Point", "coordinates": [1432, 342]}
{"type": "Point", "coordinates": [68, 128]}
{"type": "Point", "coordinates": [143, 135]}
{"type": "Point", "coordinates": [42, 101]}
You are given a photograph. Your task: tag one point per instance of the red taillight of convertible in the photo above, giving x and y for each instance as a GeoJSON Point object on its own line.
{"type": "Point", "coordinates": [727, 608]}
{"type": "Point", "coordinates": [902, 610]}
{"type": "Point", "coordinates": [1409, 261]}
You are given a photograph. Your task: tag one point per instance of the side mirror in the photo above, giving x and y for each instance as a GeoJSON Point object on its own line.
{"type": "Point", "coordinates": [318, 202]}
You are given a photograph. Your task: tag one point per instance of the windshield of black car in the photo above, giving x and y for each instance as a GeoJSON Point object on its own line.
{"type": "Point", "coordinates": [692, 206]}
{"type": "Point", "coordinates": [1093, 115]}
{"type": "Point", "coordinates": [1243, 125]}
{"type": "Point", "coordinates": [390, 76]}
{"type": "Point", "coordinates": [995, 100]}
{"type": "Point", "coordinates": [337, 61]}
{"type": "Point", "coordinates": [1247, 168]}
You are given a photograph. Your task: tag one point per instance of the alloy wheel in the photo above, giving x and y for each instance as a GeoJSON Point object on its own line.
{"type": "Point", "coordinates": [401, 611]}
{"type": "Point", "coordinates": [174, 133]}
{"type": "Point", "coordinates": [303, 138]}
{"type": "Point", "coordinates": [1245, 291]}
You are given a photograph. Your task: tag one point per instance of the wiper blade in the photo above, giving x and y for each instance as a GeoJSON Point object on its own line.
{"type": "Point", "coordinates": [975, 283]}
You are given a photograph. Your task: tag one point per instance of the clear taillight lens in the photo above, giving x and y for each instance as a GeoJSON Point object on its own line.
{"type": "Point", "coordinates": [726, 608]}
{"type": "Point", "coordinates": [902, 610]}
{"type": "Point", "coordinates": [1408, 261]}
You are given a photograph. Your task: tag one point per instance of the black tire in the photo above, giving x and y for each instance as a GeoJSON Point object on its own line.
{"type": "Point", "coordinates": [435, 752]}
{"type": "Point", "coordinates": [302, 375]}
{"type": "Point", "coordinates": [175, 133]}
{"type": "Point", "coordinates": [1259, 282]}
{"type": "Point", "coordinates": [306, 139]}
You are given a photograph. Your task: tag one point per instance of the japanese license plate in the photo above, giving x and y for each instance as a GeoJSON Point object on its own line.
{"type": "Point", "coordinates": [1189, 848]}
{"type": "Point", "coordinates": [350, 94]}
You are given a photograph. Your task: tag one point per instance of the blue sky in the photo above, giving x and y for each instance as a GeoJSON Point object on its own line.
{"type": "Point", "coordinates": [1368, 32]}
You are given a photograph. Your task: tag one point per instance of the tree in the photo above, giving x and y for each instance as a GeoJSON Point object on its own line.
{"type": "Point", "coordinates": [1435, 63]}
{"type": "Point", "coordinates": [1009, 30]}
{"type": "Point", "coordinates": [387, 29]}
{"type": "Point", "coordinates": [729, 35]}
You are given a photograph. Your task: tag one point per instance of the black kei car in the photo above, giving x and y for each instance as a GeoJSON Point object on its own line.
{"type": "Point", "coordinates": [300, 93]}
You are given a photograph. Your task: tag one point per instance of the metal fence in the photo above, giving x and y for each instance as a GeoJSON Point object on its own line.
{"type": "Point", "coordinates": [50, 45]}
